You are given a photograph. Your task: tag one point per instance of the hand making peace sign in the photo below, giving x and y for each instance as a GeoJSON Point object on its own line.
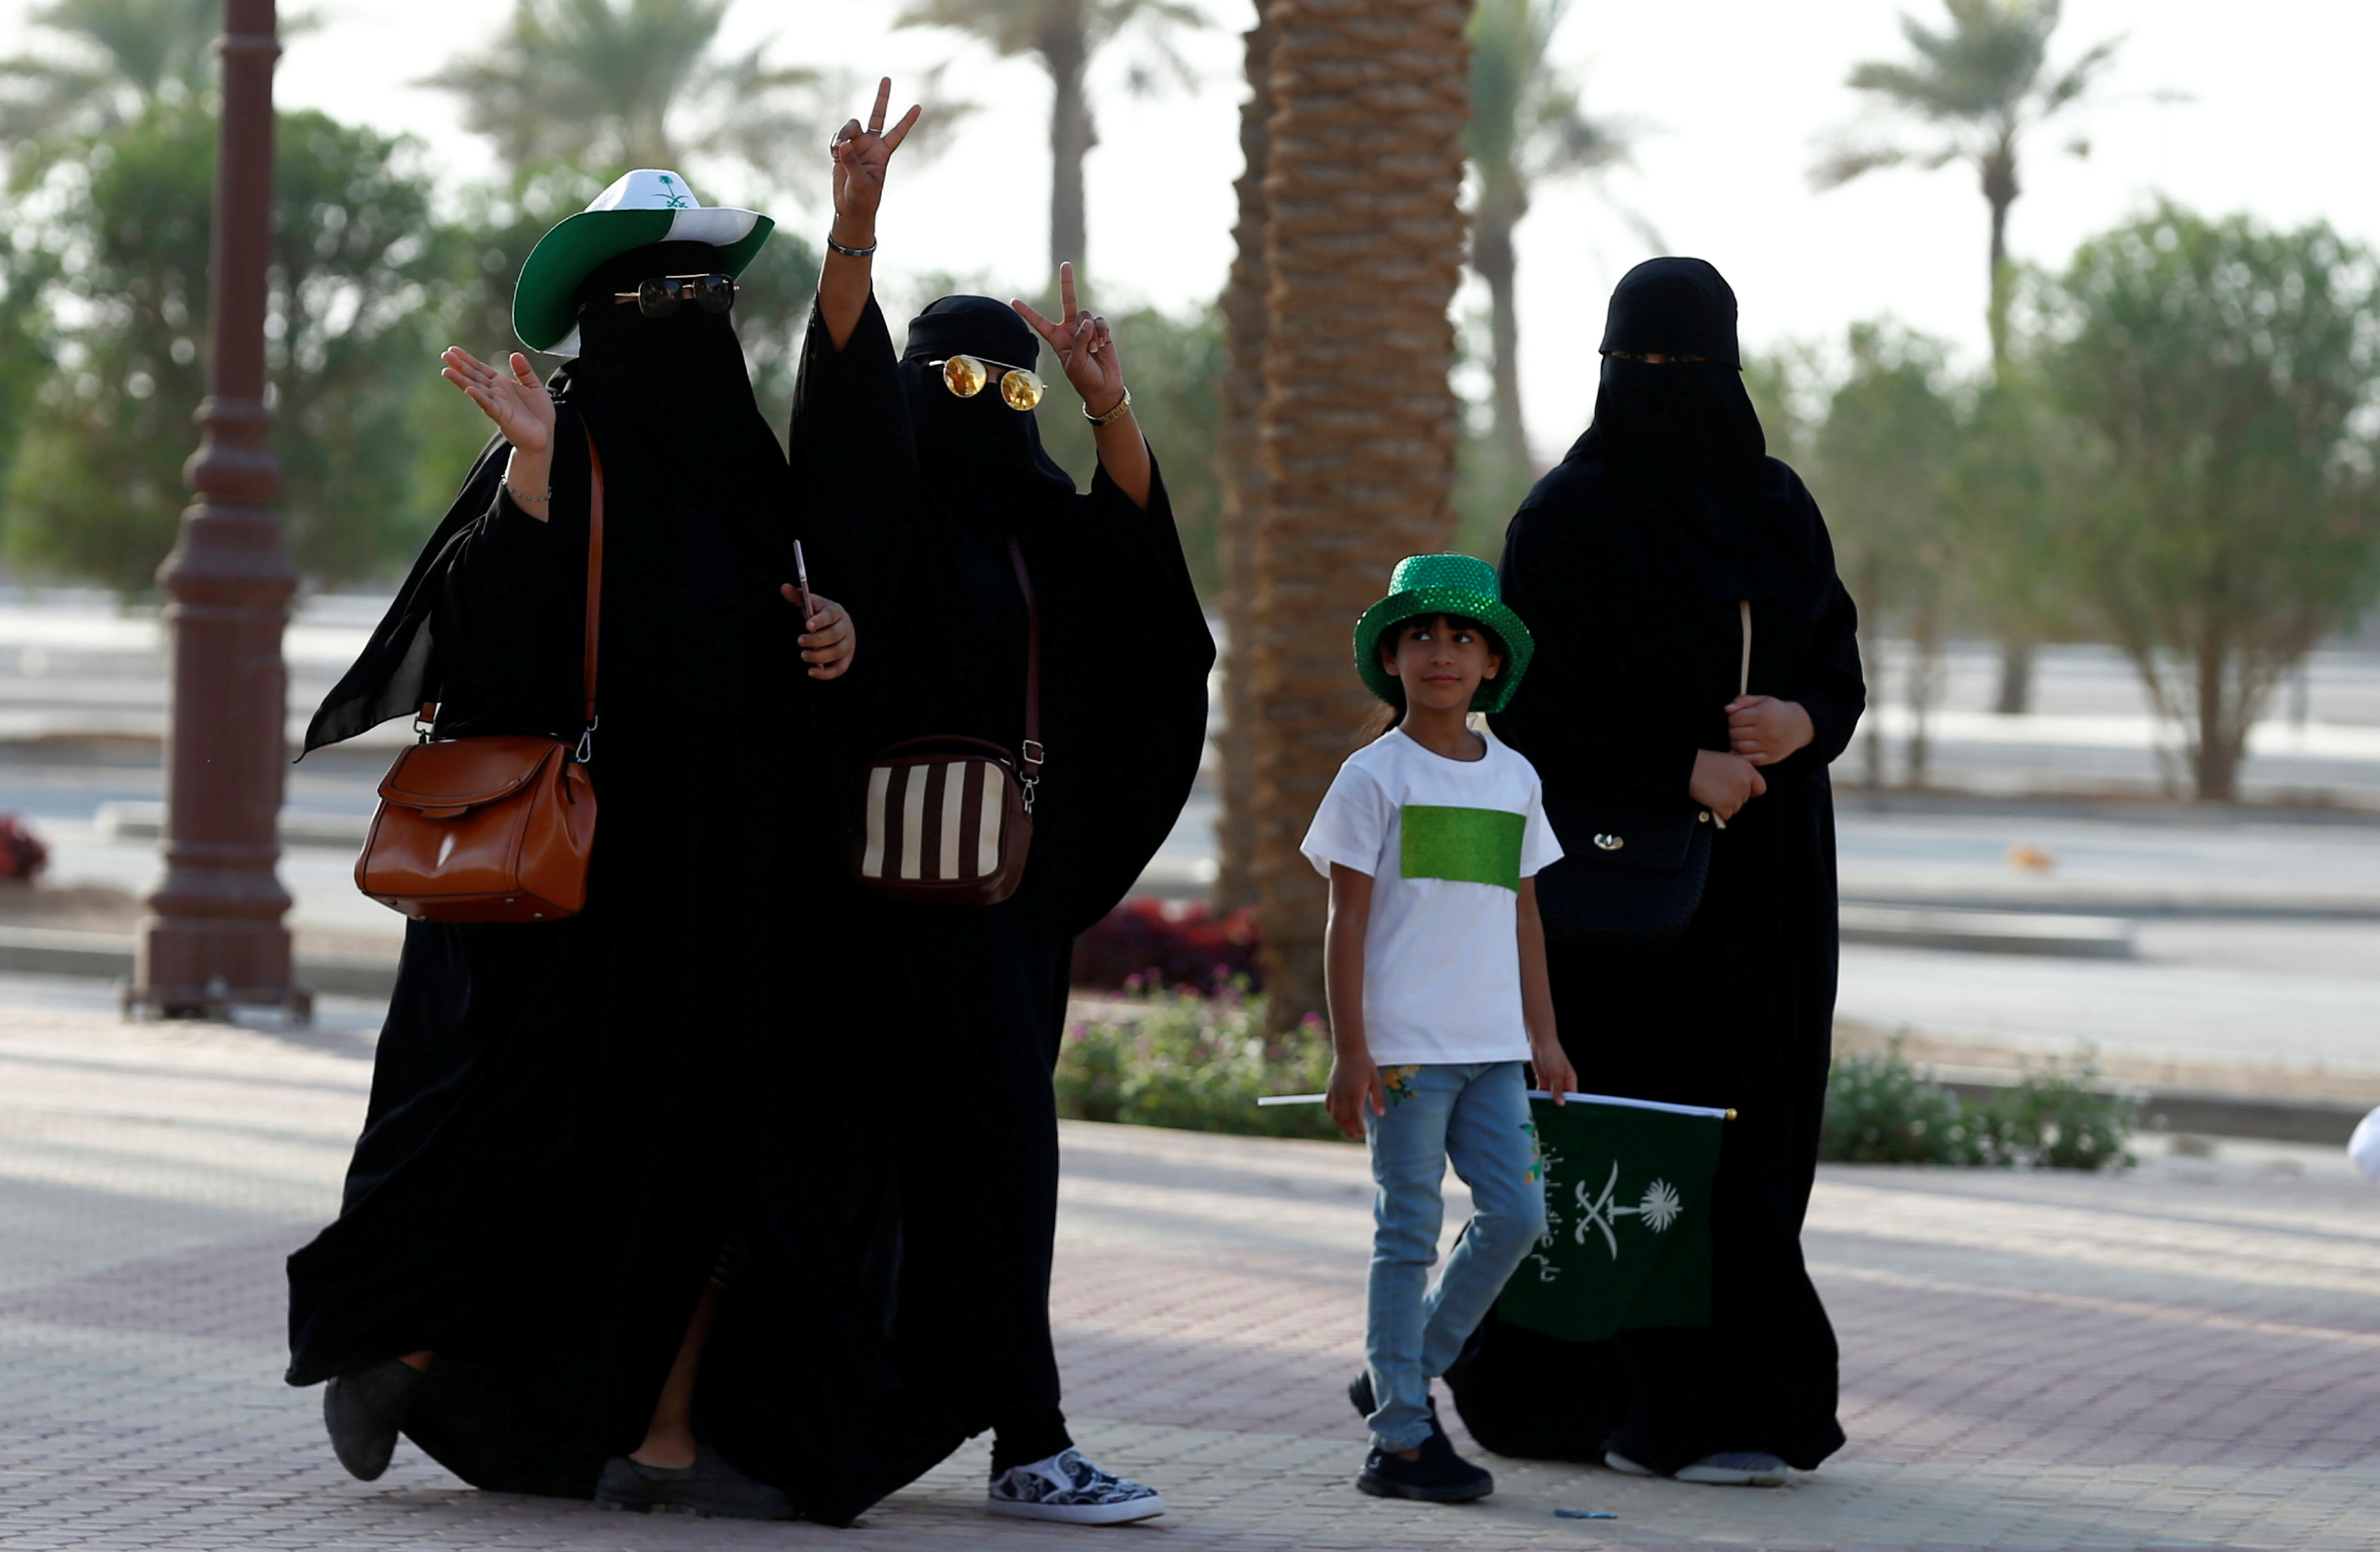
{"type": "Point", "coordinates": [1085, 347]}
{"type": "Point", "coordinates": [860, 159]}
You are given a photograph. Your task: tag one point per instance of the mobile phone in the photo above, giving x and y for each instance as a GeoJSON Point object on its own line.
{"type": "Point", "coordinates": [802, 580]}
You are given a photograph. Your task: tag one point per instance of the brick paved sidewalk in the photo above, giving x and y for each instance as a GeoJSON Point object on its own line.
{"type": "Point", "coordinates": [2185, 1357]}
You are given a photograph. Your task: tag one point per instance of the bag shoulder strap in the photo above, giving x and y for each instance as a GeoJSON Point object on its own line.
{"type": "Point", "coordinates": [595, 575]}
{"type": "Point", "coordinates": [1030, 755]}
{"type": "Point", "coordinates": [1744, 675]}
{"type": "Point", "coordinates": [594, 605]}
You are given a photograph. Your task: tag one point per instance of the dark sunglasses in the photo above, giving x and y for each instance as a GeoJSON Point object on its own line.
{"type": "Point", "coordinates": [660, 296]}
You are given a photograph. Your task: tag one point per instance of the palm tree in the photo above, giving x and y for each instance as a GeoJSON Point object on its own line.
{"type": "Point", "coordinates": [1064, 35]}
{"type": "Point", "coordinates": [1241, 393]}
{"type": "Point", "coordinates": [1363, 249]}
{"type": "Point", "coordinates": [123, 54]}
{"type": "Point", "coordinates": [1976, 91]}
{"type": "Point", "coordinates": [631, 83]}
{"type": "Point", "coordinates": [1526, 129]}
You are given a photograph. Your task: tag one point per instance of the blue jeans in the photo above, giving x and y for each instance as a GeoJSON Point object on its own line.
{"type": "Point", "coordinates": [1475, 1115]}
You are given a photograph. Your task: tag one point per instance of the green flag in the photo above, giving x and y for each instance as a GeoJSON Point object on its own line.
{"type": "Point", "coordinates": [1628, 1235]}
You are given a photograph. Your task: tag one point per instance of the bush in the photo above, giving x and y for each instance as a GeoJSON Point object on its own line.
{"type": "Point", "coordinates": [1883, 1108]}
{"type": "Point", "coordinates": [2058, 1119]}
{"type": "Point", "coordinates": [1172, 1058]}
{"type": "Point", "coordinates": [1148, 943]}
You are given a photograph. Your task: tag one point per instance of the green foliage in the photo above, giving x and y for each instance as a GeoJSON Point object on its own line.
{"type": "Point", "coordinates": [109, 60]}
{"type": "Point", "coordinates": [639, 83]}
{"type": "Point", "coordinates": [2228, 517]}
{"type": "Point", "coordinates": [358, 272]}
{"type": "Point", "coordinates": [1198, 1063]}
{"type": "Point", "coordinates": [1883, 1108]}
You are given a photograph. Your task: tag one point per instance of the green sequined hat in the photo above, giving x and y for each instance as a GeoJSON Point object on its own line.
{"type": "Point", "coordinates": [1462, 585]}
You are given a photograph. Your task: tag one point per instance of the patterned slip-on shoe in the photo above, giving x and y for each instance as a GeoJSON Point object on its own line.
{"type": "Point", "coordinates": [1068, 1487]}
{"type": "Point", "coordinates": [1736, 1468]}
{"type": "Point", "coordinates": [362, 1413]}
{"type": "Point", "coordinates": [707, 1487]}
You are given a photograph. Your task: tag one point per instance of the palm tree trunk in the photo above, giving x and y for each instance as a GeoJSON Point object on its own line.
{"type": "Point", "coordinates": [2001, 191]}
{"type": "Point", "coordinates": [1064, 46]}
{"type": "Point", "coordinates": [1242, 395]}
{"type": "Point", "coordinates": [1492, 255]}
{"type": "Point", "coordinates": [1365, 249]}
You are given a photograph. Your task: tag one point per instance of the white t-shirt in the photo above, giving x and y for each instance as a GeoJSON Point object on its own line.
{"type": "Point", "coordinates": [1447, 844]}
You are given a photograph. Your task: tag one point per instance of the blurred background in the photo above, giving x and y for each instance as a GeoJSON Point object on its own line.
{"type": "Point", "coordinates": [2067, 314]}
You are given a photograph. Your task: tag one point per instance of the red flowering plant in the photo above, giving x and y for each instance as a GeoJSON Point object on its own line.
{"type": "Point", "coordinates": [22, 856]}
{"type": "Point", "coordinates": [1147, 943]}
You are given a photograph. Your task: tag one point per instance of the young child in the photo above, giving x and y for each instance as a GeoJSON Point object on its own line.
{"type": "Point", "coordinates": [1432, 836]}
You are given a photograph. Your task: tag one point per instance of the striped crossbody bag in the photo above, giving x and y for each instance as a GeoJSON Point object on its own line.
{"type": "Point", "coordinates": [946, 820]}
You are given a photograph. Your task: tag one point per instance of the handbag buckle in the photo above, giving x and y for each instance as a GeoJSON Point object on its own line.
{"type": "Point", "coordinates": [585, 750]}
{"type": "Point", "coordinates": [1034, 754]}
{"type": "Point", "coordinates": [1027, 786]}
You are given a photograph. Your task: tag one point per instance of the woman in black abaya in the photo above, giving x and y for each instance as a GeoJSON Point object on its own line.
{"type": "Point", "coordinates": [580, 1130]}
{"type": "Point", "coordinates": [1631, 560]}
{"type": "Point", "coordinates": [934, 486]}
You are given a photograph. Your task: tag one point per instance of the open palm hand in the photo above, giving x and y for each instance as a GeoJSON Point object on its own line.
{"type": "Point", "coordinates": [513, 398]}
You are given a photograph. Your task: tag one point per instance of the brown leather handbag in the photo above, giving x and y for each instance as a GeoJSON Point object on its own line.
{"type": "Point", "coordinates": [495, 828]}
{"type": "Point", "coordinates": [946, 820]}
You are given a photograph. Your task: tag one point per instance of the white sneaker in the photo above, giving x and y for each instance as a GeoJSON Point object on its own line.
{"type": "Point", "coordinates": [1067, 1486]}
{"type": "Point", "coordinates": [1736, 1468]}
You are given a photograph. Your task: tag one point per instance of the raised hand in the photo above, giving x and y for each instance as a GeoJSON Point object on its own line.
{"type": "Point", "coordinates": [514, 399]}
{"type": "Point", "coordinates": [860, 159]}
{"type": "Point", "coordinates": [1085, 347]}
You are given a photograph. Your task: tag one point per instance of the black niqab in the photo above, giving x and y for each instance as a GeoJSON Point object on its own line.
{"type": "Point", "coordinates": [1682, 444]}
{"type": "Point", "coordinates": [978, 459]}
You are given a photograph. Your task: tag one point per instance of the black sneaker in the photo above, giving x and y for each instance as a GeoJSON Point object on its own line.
{"type": "Point", "coordinates": [1437, 1476]}
{"type": "Point", "coordinates": [363, 1410]}
{"type": "Point", "coordinates": [707, 1487]}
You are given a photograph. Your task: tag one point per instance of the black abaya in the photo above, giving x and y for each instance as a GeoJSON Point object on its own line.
{"type": "Point", "coordinates": [1638, 644]}
{"type": "Point", "coordinates": [569, 1120]}
{"type": "Point", "coordinates": [973, 999]}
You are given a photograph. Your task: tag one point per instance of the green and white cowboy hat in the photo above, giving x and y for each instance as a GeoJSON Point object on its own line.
{"type": "Point", "coordinates": [648, 205]}
{"type": "Point", "coordinates": [1462, 585]}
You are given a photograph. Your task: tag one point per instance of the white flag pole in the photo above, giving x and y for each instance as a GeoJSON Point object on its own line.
{"type": "Point", "coordinates": [1548, 1094]}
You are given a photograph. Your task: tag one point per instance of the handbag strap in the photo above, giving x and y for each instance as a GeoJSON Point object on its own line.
{"type": "Point", "coordinates": [1744, 675]}
{"type": "Point", "coordinates": [595, 583]}
{"type": "Point", "coordinates": [1031, 755]}
{"type": "Point", "coordinates": [594, 610]}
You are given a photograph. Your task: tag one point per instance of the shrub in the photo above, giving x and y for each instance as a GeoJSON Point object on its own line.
{"type": "Point", "coordinates": [1154, 943]}
{"type": "Point", "coordinates": [2058, 1118]}
{"type": "Point", "coordinates": [1172, 1058]}
{"type": "Point", "coordinates": [1883, 1108]}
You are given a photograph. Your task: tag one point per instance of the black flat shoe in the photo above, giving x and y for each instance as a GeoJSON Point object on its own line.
{"type": "Point", "coordinates": [1437, 1475]}
{"type": "Point", "coordinates": [707, 1487]}
{"type": "Point", "coordinates": [362, 1413]}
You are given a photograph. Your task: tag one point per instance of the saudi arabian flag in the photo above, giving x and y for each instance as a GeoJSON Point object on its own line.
{"type": "Point", "coordinates": [1628, 1226]}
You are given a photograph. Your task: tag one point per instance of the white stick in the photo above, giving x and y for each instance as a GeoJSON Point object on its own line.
{"type": "Point", "coordinates": [1548, 1094]}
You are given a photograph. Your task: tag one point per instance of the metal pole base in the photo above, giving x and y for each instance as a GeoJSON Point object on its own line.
{"type": "Point", "coordinates": [213, 1003]}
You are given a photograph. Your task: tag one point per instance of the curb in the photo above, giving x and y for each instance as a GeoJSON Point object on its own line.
{"type": "Point", "coordinates": [41, 951]}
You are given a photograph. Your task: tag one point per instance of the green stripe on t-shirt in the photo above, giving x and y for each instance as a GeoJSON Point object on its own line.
{"type": "Point", "coordinates": [1467, 845]}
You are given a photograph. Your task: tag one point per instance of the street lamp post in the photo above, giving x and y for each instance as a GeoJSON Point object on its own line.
{"type": "Point", "coordinates": [213, 937]}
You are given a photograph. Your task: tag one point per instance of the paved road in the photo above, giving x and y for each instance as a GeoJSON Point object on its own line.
{"type": "Point", "coordinates": [2186, 1356]}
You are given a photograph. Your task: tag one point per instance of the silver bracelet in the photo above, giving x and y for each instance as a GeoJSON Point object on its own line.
{"type": "Point", "coordinates": [850, 252]}
{"type": "Point", "coordinates": [546, 499]}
